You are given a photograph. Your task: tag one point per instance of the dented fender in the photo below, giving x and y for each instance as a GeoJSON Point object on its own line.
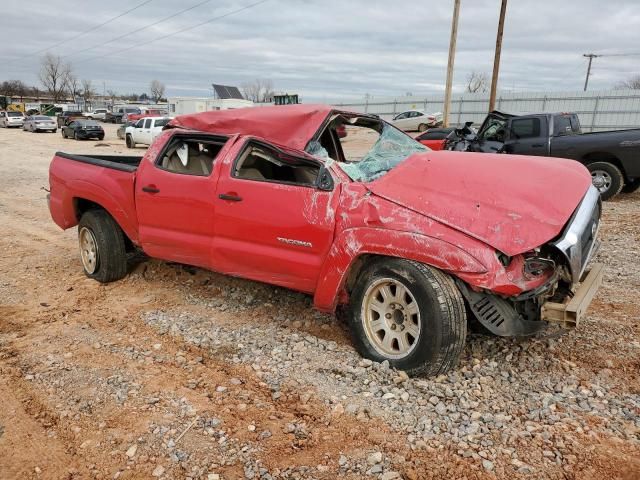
{"type": "Point", "coordinates": [355, 242]}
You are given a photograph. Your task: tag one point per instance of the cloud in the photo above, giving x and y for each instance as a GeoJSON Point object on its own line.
{"type": "Point", "coordinates": [326, 49]}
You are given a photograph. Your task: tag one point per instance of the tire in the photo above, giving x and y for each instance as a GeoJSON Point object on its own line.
{"type": "Point", "coordinates": [54, 131]}
{"type": "Point", "coordinates": [62, 133]}
{"type": "Point", "coordinates": [631, 186]}
{"type": "Point", "coordinates": [422, 127]}
{"type": "Point", "coordinates": [75, 136]}
{"type": "Point", "coordinates": [97, 230]}
{"type": "Point", "coordinates": [431, 306]}
{"type": "Point", "coordinates": [101, 137]}
{"type": "Point", "coordinates": [129, 141]}
{"type": "Point", "coordinates": [607, 178]}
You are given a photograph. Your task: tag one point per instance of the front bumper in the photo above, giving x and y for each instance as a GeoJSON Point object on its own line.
{"type": "Point", "coordinates": [571, 311]}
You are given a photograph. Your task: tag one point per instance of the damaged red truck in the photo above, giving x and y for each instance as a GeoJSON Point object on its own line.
{"type": "Point", "coordinates": [404, 241]}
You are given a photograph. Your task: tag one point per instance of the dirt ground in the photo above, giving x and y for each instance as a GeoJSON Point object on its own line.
{"type": "Point", "coordinates": [90, 389]}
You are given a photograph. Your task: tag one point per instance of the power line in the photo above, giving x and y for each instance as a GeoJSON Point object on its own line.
{"type": "Point", "coordinates": [82, 33]}
{"type": "Point", "coordinates": [162, 37]}
{"type": "Point", "coordinates": [137, 29]}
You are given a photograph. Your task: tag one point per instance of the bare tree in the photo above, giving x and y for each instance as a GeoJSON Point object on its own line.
{"type": "Point", "coordinates": [477, 82]}
{"type": "Point", "coordinates": [74, 86]}
{"type": "Point", "coordinates": [87, 91]}
{"type": "Point", "coordinates": [54, 76]}
{"type": "Point", "coordinates": [157, 90]}
{"type": "Point", "coordinates": [632, 83]}
{"type": "Point", "coordinates": [14, 88]}
{"type": "Point", "coordinates": [258, 90]}
{"type": "Point", "coordinates": [112, 96]}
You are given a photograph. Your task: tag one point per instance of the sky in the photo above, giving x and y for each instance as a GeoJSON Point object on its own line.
{"type": "Point", "coordinates": [321, 49]}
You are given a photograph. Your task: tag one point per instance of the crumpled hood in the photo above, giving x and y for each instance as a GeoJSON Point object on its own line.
{"type": "Point", "coordinates": [513, 203]}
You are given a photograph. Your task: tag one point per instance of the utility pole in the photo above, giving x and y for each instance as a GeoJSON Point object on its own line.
{"type": "Point", "coordinates": [452, 56]}
{"type": "Point", "coordinates": [496, 57]}
{"type": "Point", "coordinates": [590, 56]}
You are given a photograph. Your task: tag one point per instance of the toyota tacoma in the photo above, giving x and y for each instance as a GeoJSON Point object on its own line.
{"type": "Point", "coordinates": [403, 241]}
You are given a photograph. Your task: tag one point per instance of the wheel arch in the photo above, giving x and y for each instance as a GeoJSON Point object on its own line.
{"type": "Point", "coordinates": [358, 247]}
{"type": "Point", "coordinates": [82, 205]}
{"type": "Point", "coordinates": [606, 157]}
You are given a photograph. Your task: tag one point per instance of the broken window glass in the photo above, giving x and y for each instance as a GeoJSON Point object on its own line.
{"type": "Point", "coordinates": [391, 148]}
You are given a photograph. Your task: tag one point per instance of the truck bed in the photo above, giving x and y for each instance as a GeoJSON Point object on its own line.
{"type": "Point", "coordinates": [118, 162]}
{"type": "Point", "coordinates": [106, 180]}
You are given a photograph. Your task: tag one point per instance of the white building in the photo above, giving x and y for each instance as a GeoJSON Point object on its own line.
{"type": "Point", "coordinates": [185, 105]}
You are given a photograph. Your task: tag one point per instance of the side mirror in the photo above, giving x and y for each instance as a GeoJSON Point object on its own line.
{"type": "Point", "coordinates": [325, 180]}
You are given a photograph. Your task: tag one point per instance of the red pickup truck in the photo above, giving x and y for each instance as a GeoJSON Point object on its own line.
{"type": "Point", "coordinates": [132, 117]}
{"type": "Point", "coordinates": [401, 240]}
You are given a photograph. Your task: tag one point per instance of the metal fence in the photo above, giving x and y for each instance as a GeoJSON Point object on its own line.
{"type": "Point", "coordinates": [598, 110]}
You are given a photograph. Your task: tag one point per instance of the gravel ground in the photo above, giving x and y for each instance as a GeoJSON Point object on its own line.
{"type": "Point", "coordinates": [176, 372]}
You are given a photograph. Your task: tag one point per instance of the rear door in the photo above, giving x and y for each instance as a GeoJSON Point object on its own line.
{"type": "Point", "coordinates": [145, 131]}
{"type": "Point", "coordinates": [175, 199]}
{"type": "Point", "coordinates": [272, 223]}
{"type": "Point", "coordinates": [527, 136]}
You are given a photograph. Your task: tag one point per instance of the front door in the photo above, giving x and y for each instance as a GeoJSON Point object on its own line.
{"type": "Point", "coordinates": [272, 223]}
{"type": "Point", "coordinates": [175, 200]}
{"type": "Point", "coordinates": [527, 136]}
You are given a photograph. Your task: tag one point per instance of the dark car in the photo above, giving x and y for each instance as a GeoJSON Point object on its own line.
{"type": "Point", "coordinates": [65, 118]}
{"type": "Point", "coordinates": [612, 157]}
{"type": "Point", "coordinates": [83, 129]}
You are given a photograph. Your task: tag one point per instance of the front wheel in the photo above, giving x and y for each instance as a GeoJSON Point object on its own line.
{"type": "Point", "coordinates": [102, 248]}
{"type": "Point", "coordinates": [409, 314]}
{"type": "Point", "coordinates": [607, 178]}
{"type": "Point", "coordinates": [129, 142]}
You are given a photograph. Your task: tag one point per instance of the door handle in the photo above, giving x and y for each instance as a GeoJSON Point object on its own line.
{"type": "Point", "coordinates": [151, 189]}
{"type": "Point", "coordinates": [232, 197]}
{"type": "Point", "coordinates": [537, 145]}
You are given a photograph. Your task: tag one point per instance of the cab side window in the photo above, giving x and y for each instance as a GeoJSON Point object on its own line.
{"type": "Point", "coordinates": [261, 163]}
{"type": "Point", "coordinates": [147, 123]}
{"type": "Point", "coordinates": [190, 156]}
{"type": "Point", "coordinates": [525, 128]}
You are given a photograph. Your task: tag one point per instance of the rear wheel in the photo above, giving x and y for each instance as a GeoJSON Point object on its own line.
{"type": "Point", "coordinates": [409, 314]}
{"type": "Point", "coordinates": [422, 127]}
{"type": "Point", "coordinates": [607, 178]}
{"type": "Point", "coordinates": [102, 247]}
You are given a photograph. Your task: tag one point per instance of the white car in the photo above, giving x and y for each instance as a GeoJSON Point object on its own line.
{"type": "Point", "coordinates": [416, 120]}
{"type": "Point", "coordinates": [145, 130]}
{"type": "Point", "coordinates": [97, 114]}
{"type": "Point", "coordinates": [40, 123]}
{"type": "Point", "coordinates": [11, 119]}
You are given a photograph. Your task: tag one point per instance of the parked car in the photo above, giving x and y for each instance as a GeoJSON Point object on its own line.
{"type": "Point", "coordinates": [65, 118]}
{"type": "Point", "coordinates": [150, 112]}
{"type": "Point", "coordinates": [40, 123]}
{"type": "Point", "coordinates": [145, 131]}
{"type": "Point", "coordinates": [11, 119]}
{"type": "Point", "coordinates": [82, 130]}
{"type": "Point", "coordinates": [412, 120]}
{"type": "Point", "coordinates": [435, 138]}
{"type": "Point", "coordinates": [97, 114]}
{"type": "Point", "coordinates": [121, 130]}
{"type": "Point", "coordinates": [120, 115]}
{"type": "Point", "coordinates": [401, 242]}
{"type": "Point", "coordinates": [612, 157]}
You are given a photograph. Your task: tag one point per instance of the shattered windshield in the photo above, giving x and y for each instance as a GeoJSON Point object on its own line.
{"type": "Point", "coordinates": [391, 148]}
